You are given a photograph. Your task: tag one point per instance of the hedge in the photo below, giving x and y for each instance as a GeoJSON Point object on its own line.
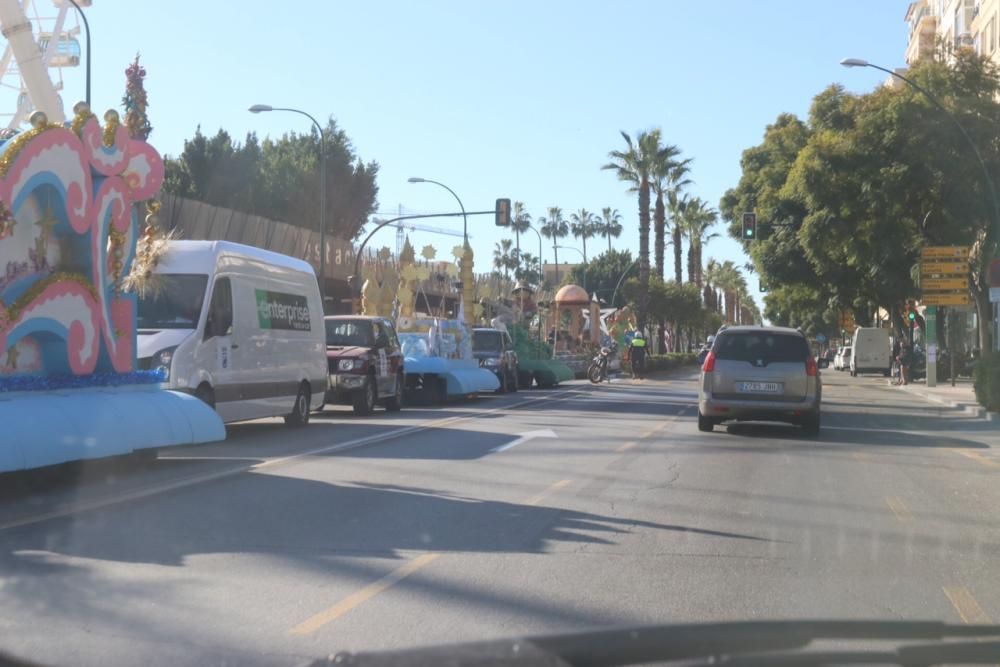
{"type": "Point", "coordinates": [666, 362]}
{"type": "Point", "coordinates": [987, 381]}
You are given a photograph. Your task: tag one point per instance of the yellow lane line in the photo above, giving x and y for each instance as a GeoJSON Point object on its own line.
{"type": "Point", "coordinates": [314, 623]}
{"type": "Point", "coordinates": [627, 446]}
{"type": "Point", "coordinates": [966, 606]}
{"type": "Point", "coordinates": [534, 500]}
{"type": "Point", "coordinates": [899, 508]}
{"type": "Point", "coordinates": [978, 458]}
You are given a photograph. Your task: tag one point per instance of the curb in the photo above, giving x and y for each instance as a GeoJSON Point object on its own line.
{"type": "Point", "coordinates": [973, 410]}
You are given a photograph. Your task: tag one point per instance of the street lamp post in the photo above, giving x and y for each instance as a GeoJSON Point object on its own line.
{"type": "Point", "coordinates": [260, 108]}
{"type": "Point", "coordinates": [86, 29]}
{"type": "Point", "coordinates": [569, 247]}
{"type": "Point", "coordinates": [624, 273]}
{"type": "Point", "coordinates": [541, 279]}
{"type": "Point", "coordinates": [465, 218]}
{"type": "Point", "coordinates": [858, 62]}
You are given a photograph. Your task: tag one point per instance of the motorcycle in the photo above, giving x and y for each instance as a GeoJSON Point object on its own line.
{"type": "Point", "coordinates": [598, 370]}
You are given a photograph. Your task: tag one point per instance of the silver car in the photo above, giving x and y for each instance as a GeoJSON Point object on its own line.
{"type": "Point", "coordinates": [756, 373]}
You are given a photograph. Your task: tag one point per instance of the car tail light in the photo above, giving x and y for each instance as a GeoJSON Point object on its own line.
{"type": "Point", "coordinates": [709, 365]}
{"type": "Point", "coordinates": [811, 368]}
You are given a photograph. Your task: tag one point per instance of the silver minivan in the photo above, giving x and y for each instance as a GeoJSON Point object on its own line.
{"type": "Point", "coordinates": [758, 373]}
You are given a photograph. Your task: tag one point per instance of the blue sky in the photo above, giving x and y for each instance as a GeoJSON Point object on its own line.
{"type": "Point", "coordinates": [520, 99]}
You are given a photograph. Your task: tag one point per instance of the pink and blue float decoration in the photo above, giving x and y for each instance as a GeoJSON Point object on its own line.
{"type": "Point", "coordinates": [70, 210]}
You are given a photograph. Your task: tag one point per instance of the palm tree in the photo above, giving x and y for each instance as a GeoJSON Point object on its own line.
{"type": "Point", "coordinates": [527, 269]}
{"type": "Point", "coordinates": [698, 218]}
{"type": "Point", "coordinates": [520, 221]}
{"type": "Point", "coordinates": [583, 228]}
{"type": "Point", "coordinates": [728, 280]}
{"type": "Point", "coordinates": [502, 256]}
{"type": "Point", "coordinates": [633, 165]}
{"type": "Point", "coordinates": [554, 227]}
{"type": "Point", "coordinates": [610, 224]}
{"type": "Point", "coordinates": [667, 177]}
{"type": "Point", "coordinates": [711, 278]}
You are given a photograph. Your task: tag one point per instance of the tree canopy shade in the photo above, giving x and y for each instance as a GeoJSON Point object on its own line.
{"type": "Point", "coordinates": [278, 178]}
{"type": "Point", "coordinates": [846, 199]}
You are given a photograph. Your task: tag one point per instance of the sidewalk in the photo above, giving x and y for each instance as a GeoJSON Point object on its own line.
{"type": "Point", "coordinates": [961, 396]}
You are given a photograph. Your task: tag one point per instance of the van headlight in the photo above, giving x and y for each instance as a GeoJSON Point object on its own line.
{"type": "Point", "coordinates": [161, 361]}
{"type": "Point", "coordinates": [491, 361]}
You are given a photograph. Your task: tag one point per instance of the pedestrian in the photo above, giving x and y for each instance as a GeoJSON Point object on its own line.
{"type": "Point", "coordinates": [905, 359]}
{"type": "Point", "coordinates": [638, 354]}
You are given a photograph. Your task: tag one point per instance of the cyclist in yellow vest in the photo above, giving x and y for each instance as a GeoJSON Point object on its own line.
{"type": "Point", "coordinates": [638, 354]}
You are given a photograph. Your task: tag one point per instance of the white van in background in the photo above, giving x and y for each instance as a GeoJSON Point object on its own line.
{"type": "Point", "coordinates": [239, 327]}
{"type": "Point", "coordinates": [871, 351]}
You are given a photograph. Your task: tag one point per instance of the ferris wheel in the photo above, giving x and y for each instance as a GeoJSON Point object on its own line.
{"type": "Point", "coordinates": [53, 46]}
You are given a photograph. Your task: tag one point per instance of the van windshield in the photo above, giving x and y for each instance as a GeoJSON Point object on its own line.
{"type": "Point", "coordinates": [175, 303]}
{"type": "Point", "coordinates": [486, 341]}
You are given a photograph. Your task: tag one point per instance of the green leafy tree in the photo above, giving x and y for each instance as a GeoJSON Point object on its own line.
{"type": "Point", "coordinates": [603, 273]}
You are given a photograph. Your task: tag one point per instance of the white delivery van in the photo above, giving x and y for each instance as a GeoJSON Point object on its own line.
{"type": "Point", "coordinates": [871, 352]}
{"type": "Point", "coordinates": [239, 327]}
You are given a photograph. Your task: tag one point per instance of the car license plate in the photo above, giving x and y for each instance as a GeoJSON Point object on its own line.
{"type": "Point", "coordinates": [759, 387]}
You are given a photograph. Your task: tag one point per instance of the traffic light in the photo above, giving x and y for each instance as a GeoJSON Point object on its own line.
{"type": "Point", "coordinates": [503, 213]}
{"type": "Point", "coordinates": [763, 286]}
{"type": "Point", "coordinates": [749, 226]}
{"type": "Point", "coordinates": [912, 317]}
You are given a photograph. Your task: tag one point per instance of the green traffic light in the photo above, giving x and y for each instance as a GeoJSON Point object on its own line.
{"type": "Point", "coordinates": [912, 316]}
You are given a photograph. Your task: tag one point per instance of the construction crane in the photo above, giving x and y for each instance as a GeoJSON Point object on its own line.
{"type": "Point", "coordinates": [404, 226]}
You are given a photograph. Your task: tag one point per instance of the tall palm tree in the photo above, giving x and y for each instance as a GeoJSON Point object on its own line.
{"type": "Point", "coordinates": [698, 218]}
{"type": "Point", "coordinates": [610, 224]}
{"type": "Point", "coordinates": [728, 280]}
{"type": "Point", "coordinates": [633, 165]}
{"type": "Point", "coordinates": [583, 228]}
{"type": "Point", "coordinates": [711, 277]}
{"type": "Point", "coordinates": [527, 269]}
{"type": "Point", "coordinates": [667, 174]}
{"type": "Point", "coordinates": [554, 227]}
{"type": "Point", "coordinates": [502, 256]}
{"type": "Point", "coordinates": [520, 220]}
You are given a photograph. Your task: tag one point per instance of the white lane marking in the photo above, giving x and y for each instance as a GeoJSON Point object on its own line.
{"type": "Point", "coordinates": [525, 437]}
{"type": "Point", "coordinates": [81, 507]}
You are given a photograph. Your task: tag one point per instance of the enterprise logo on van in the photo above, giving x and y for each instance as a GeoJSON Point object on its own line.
{"type": "Point", "coordinates": [276, 310]}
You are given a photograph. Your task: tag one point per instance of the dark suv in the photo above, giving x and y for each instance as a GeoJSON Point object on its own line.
{"type": "Point", "coordinates": [761, 374]}
{"type": "Point", "coordinates": [365, 363]}
{"type": "Point", "coordinates": [495, 350]}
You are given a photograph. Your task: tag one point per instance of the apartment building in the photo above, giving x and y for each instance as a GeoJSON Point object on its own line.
{"type": "Point", "coordinates": [956, 24]}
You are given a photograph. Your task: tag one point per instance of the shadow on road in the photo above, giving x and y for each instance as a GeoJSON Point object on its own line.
{"type": "Point", "coordinates": [832, 434]}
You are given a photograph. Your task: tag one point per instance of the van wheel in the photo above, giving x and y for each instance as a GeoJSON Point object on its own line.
{"type": "Point", "coordinates": [705, 424]}
{"type": "Point", "coordinates": [364, 400]}
{"type": "Point", "coordinates": [502, 389]}
{"type": "Point", "coordinates": [205, 394]}
{"type": "Point", "coordinates": [300, 412]}
{"type": "Point", "coordinates": [395, 404]}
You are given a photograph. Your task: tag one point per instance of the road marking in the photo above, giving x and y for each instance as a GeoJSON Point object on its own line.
{"type": "Point", "coordinates": [316, 622]}
{"type": "Point", "coordinates": [978, 458]}
{"type": "Point", "coordinates": [899, 508]}
{"type": "Point", "coordinates": [534, 500]}
{"type": "Point", "coordinates": [966, 606]}
{"type": "Point", "coordinates": [174, 485]}
{"type": "Point", "coordinates": [627, 446]}
{"type": "Point", "coordinates": [525, 437]}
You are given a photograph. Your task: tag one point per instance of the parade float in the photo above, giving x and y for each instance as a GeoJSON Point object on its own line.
{"type": "Point", "coordinates": [437, 349]}
{"type": "Point", "coordinates": [78, 239]}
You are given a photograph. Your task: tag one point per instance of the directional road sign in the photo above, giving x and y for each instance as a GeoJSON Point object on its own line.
{"type": "Point", "coordinates": [945, 299]}
{"type": "Point", "coordinates": [945, 252]}
{"type": "Point", "coordinates": [946, 268]}
{"type": "Point", "coordinates": [950, 283]}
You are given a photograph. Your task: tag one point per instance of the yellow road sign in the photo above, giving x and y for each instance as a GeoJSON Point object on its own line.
{"type": "Point", "coordinates": [945, 252]}
{"type": "Point", "coordinates": [943, 268]}
{"type": "Point", "coordinates": [945, 299]}
{"type": "Point", "coordinates": [956, 283]}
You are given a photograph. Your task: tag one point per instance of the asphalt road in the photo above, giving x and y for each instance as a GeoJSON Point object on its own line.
{"type": "Point", "coordinates": [582, 507]}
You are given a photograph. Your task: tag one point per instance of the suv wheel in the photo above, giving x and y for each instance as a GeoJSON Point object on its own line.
{"type": "Point", "coordinates": [705, 424]}
{"type": "Point", "coordinates": [810, 425]}
{"type": "Point", "coordinates": [395, 404]}
{"type": "Point", "coordinates": [364, 400]}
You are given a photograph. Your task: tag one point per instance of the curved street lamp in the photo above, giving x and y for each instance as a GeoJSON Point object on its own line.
{"type": "Point", "coordinates": [263, 108]}
{"type": "Point", "coordinates": [569, 247]}
{"type": "Point", "coordinates": [465, 218]}
{"type": "Point", "coordinates": [858, 62]}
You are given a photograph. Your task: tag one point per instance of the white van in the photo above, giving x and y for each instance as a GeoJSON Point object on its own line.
{"type": "Point", "coordinates": [239, 327]}
{"type": "Point", "coordinates": [871, 352]}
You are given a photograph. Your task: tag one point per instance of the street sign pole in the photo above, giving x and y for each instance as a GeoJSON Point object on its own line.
{"type": "Point", "coordinates": [930, 321]}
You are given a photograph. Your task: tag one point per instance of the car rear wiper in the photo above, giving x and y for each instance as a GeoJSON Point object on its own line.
{"type": "Point", "coordinates": [739, 643]}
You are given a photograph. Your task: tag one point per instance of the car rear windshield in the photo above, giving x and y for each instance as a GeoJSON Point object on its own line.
{"type": "Point", "coordinates": [486, 341]}
{"type": "Point", "coordinates": [769, 347]}
{"type": "Point", "coordinates": [342, 333]}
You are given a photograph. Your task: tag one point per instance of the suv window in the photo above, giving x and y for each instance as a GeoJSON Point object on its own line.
{"type": "Point", "coordinates": [753, 345]}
